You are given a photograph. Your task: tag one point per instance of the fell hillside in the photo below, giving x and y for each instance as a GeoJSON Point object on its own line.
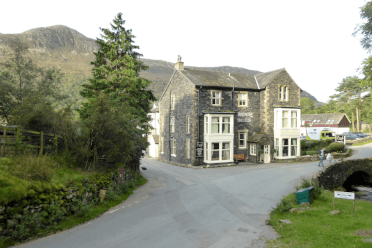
{"type": "Point", "coordinates": [71, 52]}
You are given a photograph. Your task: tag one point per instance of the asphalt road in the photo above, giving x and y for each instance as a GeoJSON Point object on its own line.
{"type": "Point", "coordinates": [184, 207]}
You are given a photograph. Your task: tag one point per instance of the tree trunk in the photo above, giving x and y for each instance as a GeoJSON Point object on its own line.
{"type": "Point", "coordinates": [357, 116]}
{"type": "Point", "coordinates": [352, 120]}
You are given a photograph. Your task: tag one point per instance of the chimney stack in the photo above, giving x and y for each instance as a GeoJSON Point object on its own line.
{"type": "Point", "coordinates": [179, 64]}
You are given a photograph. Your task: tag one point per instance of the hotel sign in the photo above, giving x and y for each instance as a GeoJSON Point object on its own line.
{"type": "Point", "coordinates": [199, 150]}
{"type": "Point", "coordinates": [247, 116]}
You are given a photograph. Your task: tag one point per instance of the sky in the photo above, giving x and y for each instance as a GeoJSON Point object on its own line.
{"type": "Point", "coordinates": [312, 40]}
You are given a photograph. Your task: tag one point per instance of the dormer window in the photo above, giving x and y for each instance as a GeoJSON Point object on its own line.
{"type": "Point", "coordinates": [283, 93]}
{"type": "Point", "coordinates": [216, 98]}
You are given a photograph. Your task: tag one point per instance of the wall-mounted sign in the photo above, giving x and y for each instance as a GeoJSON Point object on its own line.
{"type": "Point", "coordinates": [244, 120]}
{"type": "Point", "coordinates": [245, 114]}
{"type": "Point", "coordinates": [199, 149]}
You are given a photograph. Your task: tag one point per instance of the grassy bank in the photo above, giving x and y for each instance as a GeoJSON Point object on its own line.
{"type": "Point", "coordinates": [360, 144]}
{"type": "Point", "coordinates": [316, 227]}
{"type": "Point", "coordinates": [18, 175]}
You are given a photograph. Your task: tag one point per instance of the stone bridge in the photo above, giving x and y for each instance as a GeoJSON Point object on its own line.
{"type": "Point", "coordinates": [347, 173]}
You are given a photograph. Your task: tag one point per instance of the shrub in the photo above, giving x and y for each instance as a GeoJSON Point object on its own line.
{"type": "Point", "coordinates": [305, 183]}
{"type": "Point", "coordinates": [284, 206]}
{"type": "Point", "coordinates": [335, 147]}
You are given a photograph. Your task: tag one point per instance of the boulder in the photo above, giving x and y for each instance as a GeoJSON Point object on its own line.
{"type": "Point", "coordinates": [364, 232]}
{"type": "Point", "coordinates": [286, 221]}
{"type": "Point", "coordinates": [334, 212]}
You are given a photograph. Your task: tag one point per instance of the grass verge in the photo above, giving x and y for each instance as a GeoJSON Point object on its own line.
{"type": "Point", "coordinates": [360, 144]}
{"type": "Point", "coordinates": [316, 227]}
{"type": "Point", "coordinates": [91, 212]}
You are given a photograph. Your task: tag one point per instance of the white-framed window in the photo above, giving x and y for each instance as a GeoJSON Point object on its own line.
{"type": "Point", "coordinates": [285, 119]}
{"type": "Point", "coordinates": [218, 124]}
{"type": "Point", "coordinates": [173, 148]}
{"type": "Point", "coordinates": [293, 119]}
{"type": "Point", "coordinates": [252, 149]}
{"type": "Point", "coordinates": [225, 151]}
{"type": "Point", "coordinates": [188, 148]}
{"type": "Point", "coordinates": [172, 124]}
{"type": "Point", "coordinates": [188, 124]}
{"type": "Point", "coordinates": [293, 147]}
{"type": "Point", "coordinates": [285, 147]}
{"type": "Point", "coordinates": [242, 139]}
{"type": "Point", "coordinates": [216, 98]}
{"type": "Point", "coordinates": [283, 93]}
{"type": "Point", "coordinates": [242, 99]}
{"type": "Point", "coordinates": [277, 119]}
{"type": "Point", "coordinates": [220, 151]}
{"type": "Point", "coordinates": [206, 125]}
{"type": "Point", "coordinates": [173, 102]}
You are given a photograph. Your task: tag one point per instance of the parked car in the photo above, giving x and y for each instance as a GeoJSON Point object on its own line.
{"type": "Point", "coordinates": [361, 135]}
{"type": "Point", "coordinates": [351, 137]}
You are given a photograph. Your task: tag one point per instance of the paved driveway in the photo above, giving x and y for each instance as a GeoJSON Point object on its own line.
{"type": "Point", "coordinates": [184, 207]}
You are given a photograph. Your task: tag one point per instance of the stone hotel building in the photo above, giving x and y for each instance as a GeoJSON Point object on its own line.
{"type": "Point", "coordinates": [205, 117]}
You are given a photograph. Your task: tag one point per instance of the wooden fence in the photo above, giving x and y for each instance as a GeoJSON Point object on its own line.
{"type": "Point", "coordinates": [40, 142]}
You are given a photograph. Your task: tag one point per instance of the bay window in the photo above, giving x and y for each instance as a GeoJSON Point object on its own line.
{"type": "Point", "coordinates": [218, 124]}
{"type": "Point", "coordinates": [293, 119]}
{"type": "Point", "coordinates": [285, 148]}
{"type": "Point", "coordinates": [285, 119]}
{"type": "Point", "coordinates": [215, 125]}
{"type": "Point", "coordinates": [293, 147]}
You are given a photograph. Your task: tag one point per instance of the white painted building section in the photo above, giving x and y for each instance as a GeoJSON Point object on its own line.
{"type": "Point", "coordinates": [153, 136]}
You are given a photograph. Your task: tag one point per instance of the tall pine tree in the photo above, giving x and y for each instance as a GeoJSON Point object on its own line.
{"type": "Point", "coordinates": [116, 73]}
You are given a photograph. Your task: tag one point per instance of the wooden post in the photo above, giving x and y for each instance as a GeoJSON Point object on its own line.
{"type": "Point", "coordinates": [333, 203]}
{"type": "Point", "coordinates": [41, 143]}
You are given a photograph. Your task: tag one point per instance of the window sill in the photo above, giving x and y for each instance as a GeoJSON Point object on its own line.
{"type": "Point", "coordinates": [253, 154]}
{"type": "Point", "coordinates": [161, 152]}
{"type": "Point", "coordinates": [242, 148]}
{"type": "Point", "coordinates": [242, 106]}
{"type": "Point", "coordinates": [173, 155]}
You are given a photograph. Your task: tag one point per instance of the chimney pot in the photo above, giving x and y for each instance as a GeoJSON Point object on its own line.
{"type": "Point", "coordinates": [179, 64]}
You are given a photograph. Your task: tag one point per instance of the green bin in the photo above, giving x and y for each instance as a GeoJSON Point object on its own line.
{"type": "Point", "coordinates": [305, 195]}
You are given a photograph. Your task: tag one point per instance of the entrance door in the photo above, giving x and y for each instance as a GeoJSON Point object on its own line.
{"type": "Point", "coordinates": [266, 153]}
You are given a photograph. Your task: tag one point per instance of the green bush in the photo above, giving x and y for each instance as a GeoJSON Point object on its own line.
{"type": "Point", "coordinates": [305, 183]}
{"type": "Point", "coordinates": [311, 152]}
{"type": "Point", "coordinates": [284, 206]}
{"type": "Point", "coordinates": [334, 147]}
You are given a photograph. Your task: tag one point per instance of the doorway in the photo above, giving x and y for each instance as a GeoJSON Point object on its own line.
{"type": "Point", "coordinates": [266, 154]}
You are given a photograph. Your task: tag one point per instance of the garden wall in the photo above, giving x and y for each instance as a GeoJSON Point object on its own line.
{"type": "Point", "coordinates": [52, 201]}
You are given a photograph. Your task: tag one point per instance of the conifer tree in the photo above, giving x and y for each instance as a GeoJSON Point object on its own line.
{"type": "Point", "coordinates": [116, 73]}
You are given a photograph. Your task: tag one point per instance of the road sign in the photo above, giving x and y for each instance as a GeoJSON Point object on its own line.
{"type": "Point", "coordinates": [345, 195]}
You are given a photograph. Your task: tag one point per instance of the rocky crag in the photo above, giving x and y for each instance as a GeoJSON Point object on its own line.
{"type": "Point", "coordinates": [71, 52]}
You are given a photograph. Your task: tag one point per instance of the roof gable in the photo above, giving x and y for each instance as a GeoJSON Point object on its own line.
{"type": "Point", "coordinates": [324, 118]}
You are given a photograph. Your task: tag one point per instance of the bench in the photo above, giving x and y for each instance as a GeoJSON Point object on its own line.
{"type": "Point", "coordinates": [240, 157]}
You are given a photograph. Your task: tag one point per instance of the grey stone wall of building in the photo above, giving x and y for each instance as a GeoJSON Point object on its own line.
{"type": "Point", "coordinates": [270, 98]}
{"type": "Point", "coordinates": [184, 92]}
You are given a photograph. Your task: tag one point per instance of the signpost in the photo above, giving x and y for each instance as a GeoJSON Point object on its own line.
{"type": "Point", "coordinates": [344, 195]}
{"type": "Point", "coordinates": [199, 150]}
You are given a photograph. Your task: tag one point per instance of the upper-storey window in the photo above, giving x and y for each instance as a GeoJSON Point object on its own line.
{"type": "Point", "coordinates": [173, 102]}
{"type": "Point", "coordinates": [287, 118]}
{"type": "Point", "coordinates": [216, 98]}
{"type": "Point", "coordinates": [218, 124]}
{"type": "Point", "coordinates": [243, 99]}
{"type": "Point", "coordinates": [283, 93]}
{"type": "Point", "coordinates": [172, 124]}
{"type": "Point", "coordinates": [188, 124]}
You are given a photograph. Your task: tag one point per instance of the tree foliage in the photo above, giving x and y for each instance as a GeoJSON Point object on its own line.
{"type": "Point", "coordinates": [365, 29]}
{"type": "Point", "coordinates": [27, 91]}
{"type": "Point", "coordinates": [116, 73]}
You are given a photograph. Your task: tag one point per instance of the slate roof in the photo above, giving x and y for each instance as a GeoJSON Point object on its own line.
{"type": "Point", "coordinates": [225, 79]}
{"type": "Point", "coordinates": [259, 138]}
{"type": "Point", "coordinates": [323, 118]}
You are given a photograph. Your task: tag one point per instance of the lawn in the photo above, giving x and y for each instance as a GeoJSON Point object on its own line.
{"type": "Point", "coordinates": [318, 228]}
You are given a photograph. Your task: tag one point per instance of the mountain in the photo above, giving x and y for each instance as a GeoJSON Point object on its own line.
{"type": "Point", "coordinates": [71, 52]}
